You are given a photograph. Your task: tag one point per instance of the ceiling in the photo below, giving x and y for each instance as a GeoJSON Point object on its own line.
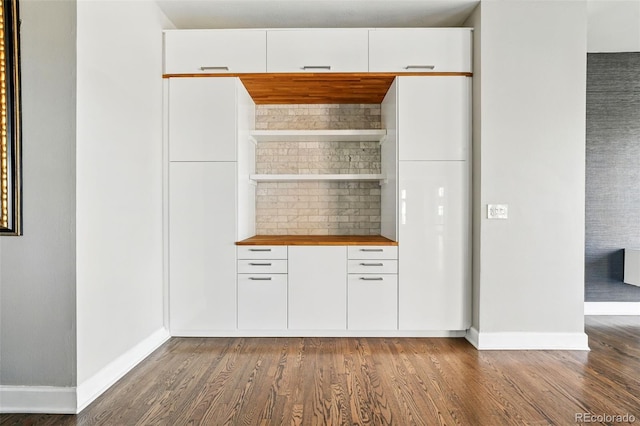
{"type": "Point", "coordinates": [186, 14]}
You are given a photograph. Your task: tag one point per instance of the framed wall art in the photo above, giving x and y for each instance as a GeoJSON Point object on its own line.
{"type": "Point", "coordinates": [10, 123]}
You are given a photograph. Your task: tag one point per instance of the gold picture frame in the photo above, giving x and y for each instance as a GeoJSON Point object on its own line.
{"type": "Point", "coordinates": [10, 122]}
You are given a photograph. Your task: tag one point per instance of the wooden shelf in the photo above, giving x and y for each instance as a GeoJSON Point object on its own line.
{"type": "Point", "coordinates": [317, 240]}
{"type": "Point", "coordinates": [318, 135]}
{"type": "Point", "coordinates": [335, 177]}
{"type": "Point", "coordinates": [318, 88]}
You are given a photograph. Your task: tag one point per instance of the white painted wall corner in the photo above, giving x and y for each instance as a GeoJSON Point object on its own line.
{"type": "Point", "coordinates": [93, 387]}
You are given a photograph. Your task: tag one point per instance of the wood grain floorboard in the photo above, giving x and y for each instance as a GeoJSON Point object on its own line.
{"type": "Point", "coordinates": [369, 381]}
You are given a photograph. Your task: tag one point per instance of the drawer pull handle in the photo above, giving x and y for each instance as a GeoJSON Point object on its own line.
{"type": "Point", "coordinates": [259, 249]}
{"type": "Point", "coordinates": [371, 279]}
{"type": "Point", "coordinates": [316, 67]}
{"type": "Point", "coordinates": [214, 68]}
{"type": "Point", "coordinates": [371, 264]}
{"type": "Point", "coordinates": [260, 264]}
{"type": "Point", "coordinates": [260, 278]}
{"type": "Point", "coordinates": [371, 250]}
{"type": "Point", "coordinates": [419, 67]}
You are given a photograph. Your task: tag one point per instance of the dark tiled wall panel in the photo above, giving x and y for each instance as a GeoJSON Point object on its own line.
{"type": "Point", "coordinates": [613, 173]}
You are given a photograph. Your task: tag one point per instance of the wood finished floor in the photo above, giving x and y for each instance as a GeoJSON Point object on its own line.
{"type": "Point", "coordinates": [378, 381]}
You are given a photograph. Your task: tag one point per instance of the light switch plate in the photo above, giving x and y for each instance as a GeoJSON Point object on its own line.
{"type": "Point", "coordinates": [497, 211]}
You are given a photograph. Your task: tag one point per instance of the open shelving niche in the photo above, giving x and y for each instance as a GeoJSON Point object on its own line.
{"type": "Point", "coordinates": [349, 135]}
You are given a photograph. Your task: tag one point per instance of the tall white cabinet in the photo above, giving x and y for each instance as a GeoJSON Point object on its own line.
{"type": "Point", "coordinates": [204, 117]}
{"type": "Point", "coordinates": [433, 137]}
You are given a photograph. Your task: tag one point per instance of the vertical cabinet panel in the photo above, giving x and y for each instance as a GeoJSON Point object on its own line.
{"type": "Point", "coordinates": [433, 257]}
{"type": "Point", "coordinates": [202, 265]}
{"type": "Point", "coordinates": [202, 119]}
{"type": "Point", "coordinates": [434, 116]}
{"type": "Point", "coordinates": [317, 288]}
{"type": "Point", "coordinates": [389, 165]}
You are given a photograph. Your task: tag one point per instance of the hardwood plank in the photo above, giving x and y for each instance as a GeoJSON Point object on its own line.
{"type": "Point", "coordinates": [378, 381]}
{"type": "Point", "coordinates": [317, 240]}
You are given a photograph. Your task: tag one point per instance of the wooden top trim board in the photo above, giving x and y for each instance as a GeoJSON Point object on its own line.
{"type": "Point", "coordinates": [317, 240]}
{"type": "Point", "coordinates": [318, 88]}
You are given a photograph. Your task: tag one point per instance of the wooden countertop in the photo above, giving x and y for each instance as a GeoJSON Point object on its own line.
{"type": "Point", "coordinates": [317, 240]}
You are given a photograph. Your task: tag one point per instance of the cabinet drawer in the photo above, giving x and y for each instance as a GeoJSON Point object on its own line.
{"type": "Point", "coordinates": [374, 266]}
{"type": "Point", "coordinates": [214, 51]}
{"type": "Point", "coordinates": [317, 50]}
{"type": "Point", "coordinates": [262, 301]}
{"type": "Point", "coordinates": [420, 50]}
{"type": "Point", "coordinates": [372, 252]}
{"type": "Point", "coordinates": [262, 252]}
{"type": "Point", "coordinates": [373, 302]}
{"type": "Point", "coordinates": [257, 266]}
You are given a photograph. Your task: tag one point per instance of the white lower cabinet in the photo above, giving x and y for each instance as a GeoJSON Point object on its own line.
{"type": "Point", "coordinates": [202, 259]}
{"type": "Point", "coordinates": [262, 287]}
{"type": "Point", "coordinates": [262, 301]}
{"type": "Point", "coordinates": [373, 288]}
{"type": "Point", "coordinates": [373, 302]}
{"type": "Point", "coordinates": [317, 288]}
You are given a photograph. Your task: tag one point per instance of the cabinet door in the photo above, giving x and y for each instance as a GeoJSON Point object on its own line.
{"type": "Point", "coordinates": [202, 254]}
{"type": "Point", "coordinates": [373, 302]}
{"type": "Point", "coordinates": [400, 50]}
{"type": "Point", "coordinates": [433, 251]}
{"type": "Point", "coordinates": [317, 50]}
{"type": "Point", "coordinates": [317, 288]}
{"type": "Point", "coordinates": [214, 51]}
{"type": "Point", "coordinates": [262, 301]}
{"type": "Point", "coordinates": [434, 118]}
{"type": "Point", "coordinates": [202, 119]}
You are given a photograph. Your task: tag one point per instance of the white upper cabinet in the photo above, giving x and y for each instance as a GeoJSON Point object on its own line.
{"type": "Point", "coordinates": [420, 50]}
{"type": "Point", "coordinates": [202, 119]}
{"type": "Point", "coordinates": [214, 51]}
{"type": "Point", "coordinates": [317, 50]}
{"type": "Point", "coordinates": [434, 118]}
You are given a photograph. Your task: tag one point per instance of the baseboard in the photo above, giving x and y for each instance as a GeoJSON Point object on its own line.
{"type": "Point", "coordinates": [93, 387]}
{"type": "Point", "coordinates": [612, 308]}
{"type": "Point", "coordinates": [527, 340]}
{"type": "Point", "coordinates": [38, 399]}
{"type": "Point", "coordinates": [317, 333]}
{"type": "Point", "coordinates": [472, 336]}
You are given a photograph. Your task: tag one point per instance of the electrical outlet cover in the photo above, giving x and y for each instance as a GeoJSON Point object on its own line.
{"type": "Point", "coordinates": [497, 211]}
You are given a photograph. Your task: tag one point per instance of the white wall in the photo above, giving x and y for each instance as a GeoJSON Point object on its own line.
{"type": "Point", "coordinates": [119, 180]}
{"type": "Point", "coordinates": [475, 22]}
{"type": "Point", "coordinates": [530, 154]}
{"type": "Point", "coordinates": [613, 26]}
{"type": "Point", "coordinates": [37, 281]}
